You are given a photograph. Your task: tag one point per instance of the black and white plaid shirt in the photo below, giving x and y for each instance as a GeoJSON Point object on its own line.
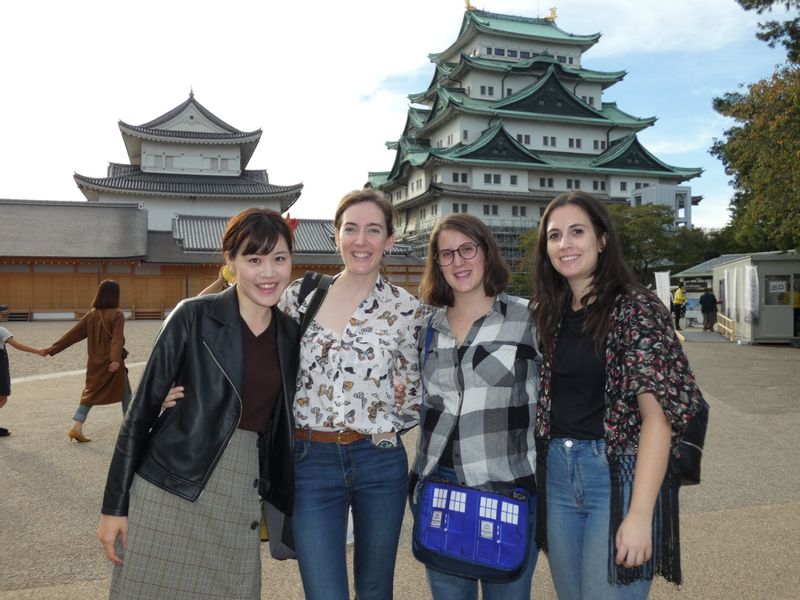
{"type": "Point", "coordinates": [489, 393]}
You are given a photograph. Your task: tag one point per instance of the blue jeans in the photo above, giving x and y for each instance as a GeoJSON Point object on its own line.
{"type": "Point", "coordinates": [451, 587]}
{"type": "Point", "coordinates": [83, 409]}
{"type": "Point", "coordinates": [578, 517]}
{"type": "Point", "coordinates": [328, 478]}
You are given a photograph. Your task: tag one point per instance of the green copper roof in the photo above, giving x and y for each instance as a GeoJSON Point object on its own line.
{"type": "Point", "coordinates": [537, 64]}
{"type": "Point", "coordinates": [547, 100]}
{"type": "Point", "coordinates": [495, 144]}
{"type": "Point", "coordinates": [496, 148]}
{"type": "Point", "coordinates": [377, 178]}
{"type": "Point", "coordinates": [628, 153]}
{"type": "Point", "coordinates": [549, 96]}
{"type": "Point", "coordinates": [476, 21]}
{"type": "Point", "coordinates": [449, 73]}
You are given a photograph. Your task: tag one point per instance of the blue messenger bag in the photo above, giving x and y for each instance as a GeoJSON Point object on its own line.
{"type": "Point", "coordinates": [471, 533]}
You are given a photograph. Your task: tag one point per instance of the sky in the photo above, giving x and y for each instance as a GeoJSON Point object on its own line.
{"type": "Point", "coordinates": [328, 82]}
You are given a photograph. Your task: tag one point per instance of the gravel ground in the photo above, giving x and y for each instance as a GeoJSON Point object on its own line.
{"type": "Point", "coordinates": [740, 527]}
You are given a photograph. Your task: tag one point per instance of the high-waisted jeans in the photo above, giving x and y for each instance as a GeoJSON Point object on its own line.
{"type": "Point", "coordinates": [328, 478]}
{"type": "Point", "coordinates": [578, 518]}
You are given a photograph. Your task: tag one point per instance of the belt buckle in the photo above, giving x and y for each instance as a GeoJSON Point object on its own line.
{"type": "Point", "coordinates": [340, 439]}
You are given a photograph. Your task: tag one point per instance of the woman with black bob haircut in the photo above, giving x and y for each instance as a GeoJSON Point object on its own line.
{"type": "Point", "coordinates": [617, 393]}
{"type": "Point", "coordinates": [181, 507]}
{"type": "Point", "coordinates": [480, 378]}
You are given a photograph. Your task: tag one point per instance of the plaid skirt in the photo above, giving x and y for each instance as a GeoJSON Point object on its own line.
{"type": "Point", "coordinates": [210, 548]}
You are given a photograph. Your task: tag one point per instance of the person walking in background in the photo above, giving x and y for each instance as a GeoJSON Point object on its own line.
{"type": "Point", "coordinates": [106, 375]}
{"type": "Point", "coordinates": [7, 338]}
{"type": "Point", "coordinates": [181, 507]}
{"type": "Point", "coordinates": [348, 451]}
{"type": "Point", "coordinates": [480, 379]}
{"type": "Point", "coordinates": [678, 304]}
{"type": "Point", "coordinates": [616, 393]}
{"type": "Point", "coordinates": [708, 306]}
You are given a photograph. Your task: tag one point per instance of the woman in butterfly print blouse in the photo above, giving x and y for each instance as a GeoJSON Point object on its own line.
{"type": "Point", "coordinates": [361, 343]}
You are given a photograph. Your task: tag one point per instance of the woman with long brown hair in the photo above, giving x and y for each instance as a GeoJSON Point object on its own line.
{"type": "Point", "coordinates": [617, 393]}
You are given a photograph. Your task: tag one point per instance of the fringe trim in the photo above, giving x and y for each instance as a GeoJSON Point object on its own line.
{"type": "Point", "coordinates": [541, 491]}
{"type": "Point", "coordinates": [666, 560]}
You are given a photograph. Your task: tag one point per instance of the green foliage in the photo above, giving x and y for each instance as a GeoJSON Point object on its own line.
{"type": "Point", "coordinates": [521, 280]}
{"type": "Point", "coordinates": [773, 32]}
{"type": "Point", "coordinates": [762, 155]}
{"type": "Point", "coordinates": [646, 234]}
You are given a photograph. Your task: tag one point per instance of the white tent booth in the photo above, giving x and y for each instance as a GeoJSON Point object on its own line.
{"type": "Point", "coordinates": [760, 293]}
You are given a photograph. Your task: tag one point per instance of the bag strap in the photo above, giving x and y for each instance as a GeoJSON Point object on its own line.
{"type": "Point", "coordinates": [428, 340]}
{"type": "Point", "coordinates": [108, 331]}
{"type": "Point", "coordinates": [311, 281]}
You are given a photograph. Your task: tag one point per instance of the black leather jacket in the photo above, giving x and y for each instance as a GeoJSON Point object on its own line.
{"type": "Point", "coordinates": [200, 347]}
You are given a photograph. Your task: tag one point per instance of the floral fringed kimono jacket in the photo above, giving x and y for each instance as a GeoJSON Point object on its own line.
{"type": "Point", "coordinates": [643, 355]}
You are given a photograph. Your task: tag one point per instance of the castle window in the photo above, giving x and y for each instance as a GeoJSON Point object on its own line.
{"type": "Point", "coordinates": [513, 179]}
{"type": "Point", "coordinates": [512, 53]}
{"type": "Point", "coordinates": [623, 186]}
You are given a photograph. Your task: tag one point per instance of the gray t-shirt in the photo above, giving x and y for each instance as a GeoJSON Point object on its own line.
{"type": "Point", "coordinates": [5, 335]}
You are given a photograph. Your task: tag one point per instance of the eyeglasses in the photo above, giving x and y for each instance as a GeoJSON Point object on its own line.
{"type": "Point", "coordinates": [467, 251]}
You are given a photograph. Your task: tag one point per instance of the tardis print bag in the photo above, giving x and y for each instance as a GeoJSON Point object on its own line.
{"type": "Point", "coordinates": [471, 533]}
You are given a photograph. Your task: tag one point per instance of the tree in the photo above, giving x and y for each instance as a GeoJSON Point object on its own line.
{"type": "Point", "coordinates": [762, 154]}
{"type": "Point", "coordinates": [521, 281]}
{"type": "Point", "coordinates": [646, 234]}
{"type": "Point", "coordinates": [772, 32]}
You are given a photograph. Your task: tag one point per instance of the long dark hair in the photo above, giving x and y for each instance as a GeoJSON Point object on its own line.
{"type": "Point", "coordinates": [434, 289]}
{"type": "Point", "coordinates": [611, 277]}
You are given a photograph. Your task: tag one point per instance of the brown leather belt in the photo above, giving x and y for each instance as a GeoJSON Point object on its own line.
{"type": "Point", "coordinates": [348, 436]}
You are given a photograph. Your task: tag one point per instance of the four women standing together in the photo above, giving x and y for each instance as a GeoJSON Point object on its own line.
{"type": "Point", "coordinates": [616, 393]}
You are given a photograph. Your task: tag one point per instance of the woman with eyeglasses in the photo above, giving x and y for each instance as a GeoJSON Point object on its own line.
{"type": "Point", "coordinates": [480, 377]}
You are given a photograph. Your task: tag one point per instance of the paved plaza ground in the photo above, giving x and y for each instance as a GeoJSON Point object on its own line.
{"type": "Point", "coordinates": [740, 527]}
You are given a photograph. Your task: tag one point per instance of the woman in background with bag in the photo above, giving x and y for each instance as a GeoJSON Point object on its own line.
{"type": "Point", "coordinates": [106, 375]}
{"type": "Point", "coordinates": [348, 451]}
{"type": "Point", "coordinates": [617, 394]}
{"type": "Point", "coordinates": [181, 507]}
{"type": "Point", "coordinates": [480, 380]}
